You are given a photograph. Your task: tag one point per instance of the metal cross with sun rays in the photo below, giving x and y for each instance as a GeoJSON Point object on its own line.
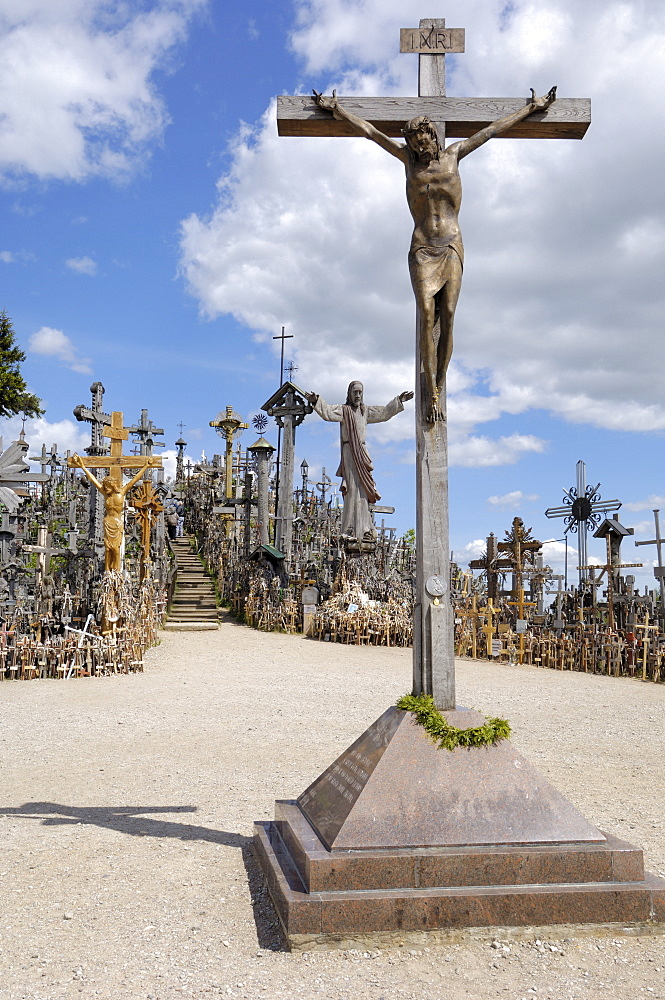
{"type": "Point", "coordinates": [582, 509]}
{"type": "Point", "coordinates": [260, 422]}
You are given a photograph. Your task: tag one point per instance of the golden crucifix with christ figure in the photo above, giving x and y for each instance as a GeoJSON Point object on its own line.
{"type": "Point", "coordinates": [112, 487]}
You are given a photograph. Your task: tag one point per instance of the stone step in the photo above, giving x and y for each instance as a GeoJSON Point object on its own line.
{"type": "Point", "coordinates": [188, 612]}
{"type": "Point", "coordinates": [194, 605]}
{"type": "Point", "coordinates": [197, 626]}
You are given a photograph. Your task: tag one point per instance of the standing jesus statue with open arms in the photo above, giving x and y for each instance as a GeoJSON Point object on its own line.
{"type": "Point", "coordinates": [434, 195]}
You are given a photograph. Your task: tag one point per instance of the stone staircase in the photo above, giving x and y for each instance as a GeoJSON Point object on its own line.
{"type": "Point", "coordinates": [194, 606]}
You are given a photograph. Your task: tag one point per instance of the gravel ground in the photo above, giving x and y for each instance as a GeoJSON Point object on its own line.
{"type": "Point", "coordinates": [126, 868]}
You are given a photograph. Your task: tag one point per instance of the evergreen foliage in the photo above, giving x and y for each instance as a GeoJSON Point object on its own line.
{"type": "Point", "coordinates": [450, 737]}
{"type": "Point", "coordinates": [13, 395]}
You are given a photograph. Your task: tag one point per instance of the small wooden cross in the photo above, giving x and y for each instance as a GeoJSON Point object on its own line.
{"type": "Point", "coordinates": [645, 646]}
{"type": "Point", "coordinates": [45, 551]}
{"type": "Point", "coordinates": [521, 604]}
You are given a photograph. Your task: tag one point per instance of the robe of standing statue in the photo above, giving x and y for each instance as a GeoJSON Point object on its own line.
{"type": "Point", "coordinates": [358, 486]}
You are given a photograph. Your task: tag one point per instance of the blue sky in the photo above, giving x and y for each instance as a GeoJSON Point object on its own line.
{"type": "Point", "coordinates": [156, 234]}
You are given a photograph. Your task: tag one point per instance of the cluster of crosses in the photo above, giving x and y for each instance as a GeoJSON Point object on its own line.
{"type": "Point", "coordinates": [59, 533]}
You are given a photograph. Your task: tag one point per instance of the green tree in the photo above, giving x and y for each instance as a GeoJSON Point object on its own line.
{"type": "Point", "coordinates": [410, 538]}
{"type": "Point", "coordinates": [13, 395]}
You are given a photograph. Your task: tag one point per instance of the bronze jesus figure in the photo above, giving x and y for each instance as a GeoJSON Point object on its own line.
{"type": "Point", "coordinates": [434, 196]}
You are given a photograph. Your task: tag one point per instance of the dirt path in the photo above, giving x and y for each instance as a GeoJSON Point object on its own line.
{"type": "Point", "coordinates": [127, 807]}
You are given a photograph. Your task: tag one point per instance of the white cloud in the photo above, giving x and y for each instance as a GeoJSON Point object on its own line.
{"type": "Point", "coordinates": [82, 265]}
{"type": "Point", "coordinates": [76, 84]}
{"type": "Point", "coordinates": [50, 342]}
{"type": "Point", "coordinates": [476, 548]}
{"type": "Point", "coordinates": [16, 257]}
{"type": "Point", "coordinates": [651, 503]}
{"type": "Point", "coordinates": [477, 450]}
{"type": "Point", "coordinates": [68, 435]}
{"type": "Point", "coordinates": [562, 303]}
{"type": "Point", "coordinates": [512, 501]}
{"type": "Point", "coordinates": [169, 456]}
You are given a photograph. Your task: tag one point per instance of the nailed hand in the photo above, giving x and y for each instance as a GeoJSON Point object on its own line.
{"type": "Point", "coordinates": [540, 103]}
{"type": "Point", "coordinates": [327, 103]}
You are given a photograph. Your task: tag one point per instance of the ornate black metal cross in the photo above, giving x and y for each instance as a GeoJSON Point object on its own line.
{"type": "Point", "coordinates": [582, 508]}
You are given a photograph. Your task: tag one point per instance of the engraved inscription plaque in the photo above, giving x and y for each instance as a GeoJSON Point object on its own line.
{"type": "Point", "coordinates": [431, 41]}
{"type": "Point", "coordinates": [329, 800]}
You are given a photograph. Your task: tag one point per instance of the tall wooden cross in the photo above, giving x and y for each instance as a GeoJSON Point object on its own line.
{"type": "Point", "coordinates": [145, 433]}
{"type": "Point", "coordinates": [433, 646]}
{"type": "Point", "coordinates": [98, 420]}
{"type": "Point", "coordinates": [227, 425]}
{"type": "Point", "coordinates": [659, 570]}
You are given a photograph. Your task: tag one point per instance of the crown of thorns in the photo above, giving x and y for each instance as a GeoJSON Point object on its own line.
{"type": "Point", "coordinates": [419, 124]}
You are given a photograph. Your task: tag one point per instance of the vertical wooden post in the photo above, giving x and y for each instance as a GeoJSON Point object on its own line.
{"type": "Point", "coordinates": [284, 512]}
{"type": "Point", "coordinates": [433, 632]}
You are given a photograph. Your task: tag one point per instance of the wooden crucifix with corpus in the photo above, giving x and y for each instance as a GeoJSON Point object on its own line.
{"type": "Point", "coordinates": [433, 192]}
{"type": "Point", "coordinates": [147, 505]}
{"type": "Point", "coordinates": [112, 487]}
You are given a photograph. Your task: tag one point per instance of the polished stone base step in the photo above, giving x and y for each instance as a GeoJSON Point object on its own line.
{"type": "Point", "coordinates": [321, 870]}
{"type": "Point", "coordinates": [313, 919]}
{"type": "Point", "coordinates": [399, 838]}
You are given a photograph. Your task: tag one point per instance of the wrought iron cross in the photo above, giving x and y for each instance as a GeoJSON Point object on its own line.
{"type": "Point", "coordinates": [582, 509]}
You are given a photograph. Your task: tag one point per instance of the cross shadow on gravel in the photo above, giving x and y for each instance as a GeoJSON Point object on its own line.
{"type": "Point", "coordinates": [134, 821]}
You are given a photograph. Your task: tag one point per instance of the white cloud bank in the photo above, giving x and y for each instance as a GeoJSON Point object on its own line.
{"type": "Point", "coordinates": [563, 298]}
{"type": "Point", "coordinates": [76, 87]}
{"type": "Point", "coordinates": [68, 435]}
{"type": "Point", "coordinates": [54, 343]}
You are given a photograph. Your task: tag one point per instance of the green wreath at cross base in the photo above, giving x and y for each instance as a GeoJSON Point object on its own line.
{"type": "Point", "coordinates": [449, 737]}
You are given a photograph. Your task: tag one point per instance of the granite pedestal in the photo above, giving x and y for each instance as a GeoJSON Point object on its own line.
{"type": "Point", "coordinates": [398, 837]}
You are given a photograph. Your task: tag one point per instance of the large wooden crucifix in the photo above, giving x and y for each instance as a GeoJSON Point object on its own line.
{"type": "Point", "coordinates": [112, 488]}
{"type": "Point", "coordinates": [435, 263]}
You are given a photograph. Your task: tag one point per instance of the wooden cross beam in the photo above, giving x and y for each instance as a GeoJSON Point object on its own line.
{"type": "Point", "coordinates": [116, 462]}
{"type": "Point", "coordinates": [227, 425]}
{"type": "Point", "coordinates": [567, 118]}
